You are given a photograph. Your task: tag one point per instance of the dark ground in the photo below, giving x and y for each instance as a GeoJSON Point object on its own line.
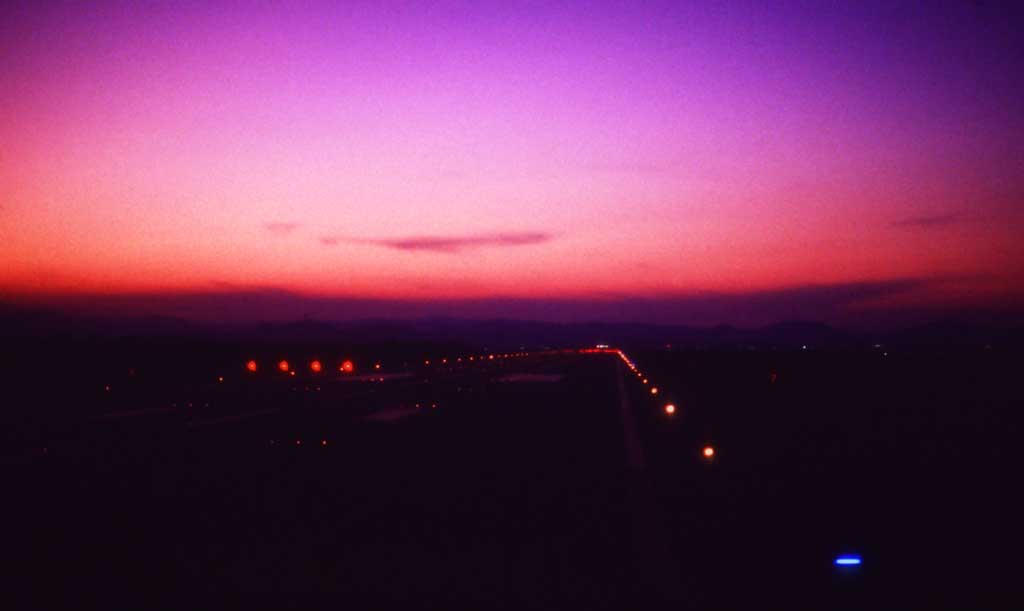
{"type": "Point", "coordinates": [510, 494]}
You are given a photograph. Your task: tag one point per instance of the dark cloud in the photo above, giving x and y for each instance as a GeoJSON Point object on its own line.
{"type": "Point", "coordinates": [930, 221]}
{"type": "Point", "coordinates": [281, 228]}
{"type": "Point", "coordinates": [847, 303]}
{"type": "Point", "coordinates": [451, 244]}
{"type": "Point", "coordinates": [448, 244]}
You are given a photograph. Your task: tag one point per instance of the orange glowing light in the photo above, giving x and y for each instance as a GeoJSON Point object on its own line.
{"type": "Point", "coordinates": [708, 452]}
{"type": "Point", "coordinates": [220, 378]}
{"type": "Point", "coordinates": [376, 366]}
{"type": "Point", "coordinates": [316, 366]}
{"type": "Point", "coordinates": [670, 409]}
{"type": "Point", "coordinates": [444, 360]}
{"type": "Point", "coordinates": [283, 365]}
{"type": "Point", "coordinates": [645, 380]}
{"type": "Point", "coordinates": [348, 367]}
{"type": "Point", "coordinates": [654, 390]}
{"type": "Point", "coordinates": [251, 365]}
{"type": "Point", "coordinates": [291, 373]}
{"type": "Point", "coordinates": [426, 362]}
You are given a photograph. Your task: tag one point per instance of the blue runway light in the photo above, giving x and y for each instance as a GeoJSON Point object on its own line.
{"type": "Point", "coordinates": [848, 561]}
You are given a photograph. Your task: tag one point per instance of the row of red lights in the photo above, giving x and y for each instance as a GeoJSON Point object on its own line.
{"type": "Point", "coordinates": [348, 366]}
{"type": "Point", "coordinates": [708, 451]}
{"type": "Point", "coordinates": [482, 357]}
{"type": "Point", "coordinates": [315, 366]}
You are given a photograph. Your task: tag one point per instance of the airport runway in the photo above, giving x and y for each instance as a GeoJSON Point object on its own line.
{"type": "Point", "coordinates": [545, 482]}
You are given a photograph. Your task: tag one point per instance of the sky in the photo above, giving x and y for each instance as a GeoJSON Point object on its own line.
{"type": "Point", "coordinates": [727, 162]}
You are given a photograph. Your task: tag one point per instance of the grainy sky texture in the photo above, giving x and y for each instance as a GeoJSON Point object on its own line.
{"type": "Point", "coordinates": [568, 153]}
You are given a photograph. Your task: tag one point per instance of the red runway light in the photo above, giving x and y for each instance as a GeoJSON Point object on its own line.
{"type": "Point", "coordinates": [347, 367]}
{"type": "Point", "coordinates": [283, 365]}
{"type": "Point", "coordinates": [251, 366]}
{"type": "Point", "coordinates": [670, 409]}
{"type": "Point", "coordinates": [316, 366]}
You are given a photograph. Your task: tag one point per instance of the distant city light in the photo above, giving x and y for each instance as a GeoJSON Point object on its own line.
{"type": "Point", "coordinates": [654, 390]}
{"type": "Point", "coordinates": [323, 442]}
{"type": "Point", "coordinates": [847, 561]}
{"type": "Point", "coordinates": [708, 452]}
{"type": "Point", "coordinates": [220, 378]}
{"type": "Point", "coordinates": [670, 409]}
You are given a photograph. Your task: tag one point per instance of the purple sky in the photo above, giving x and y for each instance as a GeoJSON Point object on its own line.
{"type": "Point", "coordinates": [514, 159]}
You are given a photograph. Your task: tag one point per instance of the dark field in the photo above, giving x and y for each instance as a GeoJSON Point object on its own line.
{"type": "Point", "coordinates": [455, 488]}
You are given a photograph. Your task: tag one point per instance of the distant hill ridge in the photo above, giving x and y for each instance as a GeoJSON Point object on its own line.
{"type": "Point", "coordinates": [29, 322]}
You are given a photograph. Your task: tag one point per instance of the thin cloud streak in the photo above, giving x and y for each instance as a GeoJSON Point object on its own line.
{"type": "Point", "coordinates": [450, 244]}
{"type": "Point", "coordinates": [281, 229]}
{"type": "Point", "coordinates": [930, 221]}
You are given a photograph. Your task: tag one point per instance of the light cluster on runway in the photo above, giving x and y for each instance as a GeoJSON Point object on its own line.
{"type": "Point", "coordinates": [669, 409]}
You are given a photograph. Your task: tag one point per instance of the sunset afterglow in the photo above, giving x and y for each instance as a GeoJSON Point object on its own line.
{"type": "Point", "coordinates": [528, 155]}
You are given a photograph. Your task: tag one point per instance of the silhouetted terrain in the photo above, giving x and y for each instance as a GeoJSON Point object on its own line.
{"type": "Point", "coordinates": [16, 321]}
{"type": "Point", "coordinates": [148, 466]}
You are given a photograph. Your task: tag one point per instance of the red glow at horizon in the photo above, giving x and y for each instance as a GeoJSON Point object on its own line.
{"type": "Point", "coordinates": [324, 153]}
